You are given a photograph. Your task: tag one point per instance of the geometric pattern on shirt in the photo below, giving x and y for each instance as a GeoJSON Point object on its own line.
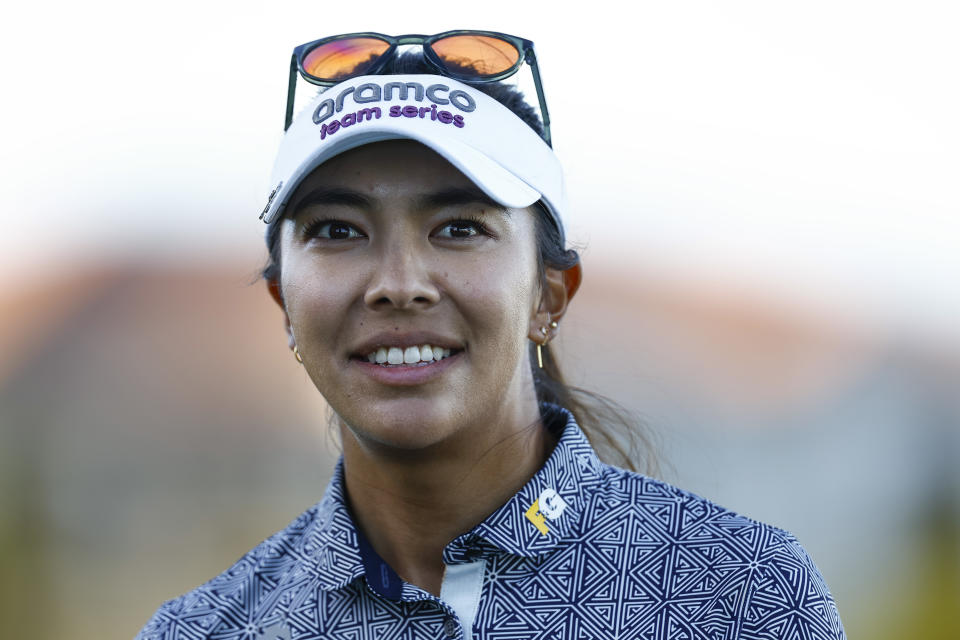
{"type": "Point", "coordinates": [629, 557]}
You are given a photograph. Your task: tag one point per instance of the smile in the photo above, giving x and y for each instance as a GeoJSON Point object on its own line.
{"type": "Point", "coordinates": [398, 356]}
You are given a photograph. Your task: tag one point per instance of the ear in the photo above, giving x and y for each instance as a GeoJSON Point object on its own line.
{"type": "Point", "coordinates": [560, 287]}
{"type": "Point", "coordinates": [273, 286]}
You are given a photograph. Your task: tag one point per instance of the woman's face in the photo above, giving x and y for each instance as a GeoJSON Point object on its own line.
{"type": "Point", "coordinates": [390, 251]}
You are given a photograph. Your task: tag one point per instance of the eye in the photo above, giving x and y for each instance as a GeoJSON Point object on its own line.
{"type": "Point", "coordinates": [461, 229]}
{"type": "Point", "coordinates": [331, 230]}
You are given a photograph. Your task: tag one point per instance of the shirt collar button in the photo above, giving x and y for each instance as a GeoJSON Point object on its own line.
{"type": "Point", "coordinates": [450, 627]}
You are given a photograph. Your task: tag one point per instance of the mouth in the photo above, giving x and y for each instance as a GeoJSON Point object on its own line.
{"type": "Point", "coordinates": [413, 356]}
{"type": "Point", "coordinates": [407, 365]}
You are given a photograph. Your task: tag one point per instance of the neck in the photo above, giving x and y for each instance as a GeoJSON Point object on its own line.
{"type": "Point", "coordinates": [411, 504]}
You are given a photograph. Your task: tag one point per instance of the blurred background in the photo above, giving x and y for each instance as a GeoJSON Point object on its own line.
{"type": "Point", "coordinates": [770, 224]}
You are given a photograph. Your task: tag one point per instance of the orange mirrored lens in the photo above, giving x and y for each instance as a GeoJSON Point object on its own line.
{"type": "Point", "coordinates": [343, 59]}
{"type": "Point", "coordinates": [477, 56]}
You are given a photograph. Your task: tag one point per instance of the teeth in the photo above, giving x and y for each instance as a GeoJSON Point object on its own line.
{"type": "Point", "coordinates": [409, 355]}
{"type": "Point", "coordinates": [394, 356]}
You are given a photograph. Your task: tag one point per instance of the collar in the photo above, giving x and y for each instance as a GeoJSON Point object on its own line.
{"type": "Point", "coordinates": [544, 513]}
{"type": "Point", "coordinates": [549, 508]}
{"type": "Point", "coordinates": [329, 544]}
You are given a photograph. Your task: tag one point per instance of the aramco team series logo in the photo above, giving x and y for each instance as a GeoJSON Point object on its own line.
{"type": "Point", "coordinates": [548, 506]}
{"type": "Point", "coordinates": [370, 92]}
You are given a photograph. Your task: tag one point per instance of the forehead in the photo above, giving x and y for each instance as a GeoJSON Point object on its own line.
{"type": "Point", "coordinates": [388, 170]}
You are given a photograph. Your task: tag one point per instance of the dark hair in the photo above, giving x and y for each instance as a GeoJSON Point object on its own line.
{"type": "Point", "coordinates": [619, 437]}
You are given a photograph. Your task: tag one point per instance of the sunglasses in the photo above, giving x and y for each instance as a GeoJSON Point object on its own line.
{"type": "Point", "coordinates": [469, 56]}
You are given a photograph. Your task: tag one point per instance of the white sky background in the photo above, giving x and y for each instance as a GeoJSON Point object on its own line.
{"type": "Point", "coordinates": [807, 149]}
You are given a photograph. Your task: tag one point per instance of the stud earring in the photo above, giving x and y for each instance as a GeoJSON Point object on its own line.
{"type": "Point", "coordinates": [296, 354]}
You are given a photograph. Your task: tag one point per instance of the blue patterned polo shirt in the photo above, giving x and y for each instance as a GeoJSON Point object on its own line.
{"type": "Point", "coordinates": [584, 550]}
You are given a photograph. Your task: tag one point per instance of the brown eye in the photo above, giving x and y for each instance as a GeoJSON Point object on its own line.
{"type": "Point", "coordinates": [460, 229]}
{"type": "Point", "coordinates": [339, 231]}
{"type": "Point", "coordinates": [331, 230]}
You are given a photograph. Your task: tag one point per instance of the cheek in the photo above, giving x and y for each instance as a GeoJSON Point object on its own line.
{"type": "Point", "coordinates": [316, 303]}
{"type": "Point", "coordinates": [499, 294]}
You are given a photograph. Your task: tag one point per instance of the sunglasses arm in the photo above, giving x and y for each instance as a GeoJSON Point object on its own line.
{"type": "Point", "coordinates": [531, 59]}
{"type": "Point", "coordinates": [291, 91]}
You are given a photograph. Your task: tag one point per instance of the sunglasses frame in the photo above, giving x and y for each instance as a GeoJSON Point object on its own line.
{"type": "Point", "coordinates": [524, 48]}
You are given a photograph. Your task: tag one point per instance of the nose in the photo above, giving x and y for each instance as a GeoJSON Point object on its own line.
{"type": "Point", "coordinates": [401, 280]}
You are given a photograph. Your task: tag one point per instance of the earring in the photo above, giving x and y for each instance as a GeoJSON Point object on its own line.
{"type": "Point", "coordinates": [546, 339]}
{"type": "Point", "coordinates": [540, 346]}
{"type": "Point", "coordinates": [296, 354]}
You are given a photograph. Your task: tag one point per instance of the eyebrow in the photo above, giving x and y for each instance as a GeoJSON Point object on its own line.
{"type": "Point", "coordinates": [452, 196]}
{"type": "Point", "coordinates": [332, 196]}
{"type": "Point", "coordinates": [456, 196]}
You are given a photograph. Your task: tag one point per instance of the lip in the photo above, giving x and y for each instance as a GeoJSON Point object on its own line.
{"type": "Point", "coordinates": [403, 340]}
{"type": "Point", "coordinates": [406, 375]}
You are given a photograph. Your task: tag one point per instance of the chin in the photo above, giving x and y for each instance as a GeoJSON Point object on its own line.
{"type": "Point", "coordinates": [408, 425]}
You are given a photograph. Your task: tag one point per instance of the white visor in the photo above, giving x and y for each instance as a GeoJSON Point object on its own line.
{"type": "Point", "coordinates": [482, 138]}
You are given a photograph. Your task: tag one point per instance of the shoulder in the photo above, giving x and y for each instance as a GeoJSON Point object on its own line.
{"type": "Point", "coordinates": [195, 614]}
{"type": "Point", "coordinates": [768, 579]}
{"type": "Point", "coordinates": [791, 598]}
{"type": "Point", "coordinates": [678, 513]}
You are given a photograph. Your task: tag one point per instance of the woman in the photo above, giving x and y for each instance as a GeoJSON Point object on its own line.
{"type": "Point", "coordinates": [417, 252]}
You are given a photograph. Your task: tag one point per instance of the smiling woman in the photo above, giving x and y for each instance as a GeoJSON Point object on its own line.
{"type": "Point", "coordinates": [422, 273]}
